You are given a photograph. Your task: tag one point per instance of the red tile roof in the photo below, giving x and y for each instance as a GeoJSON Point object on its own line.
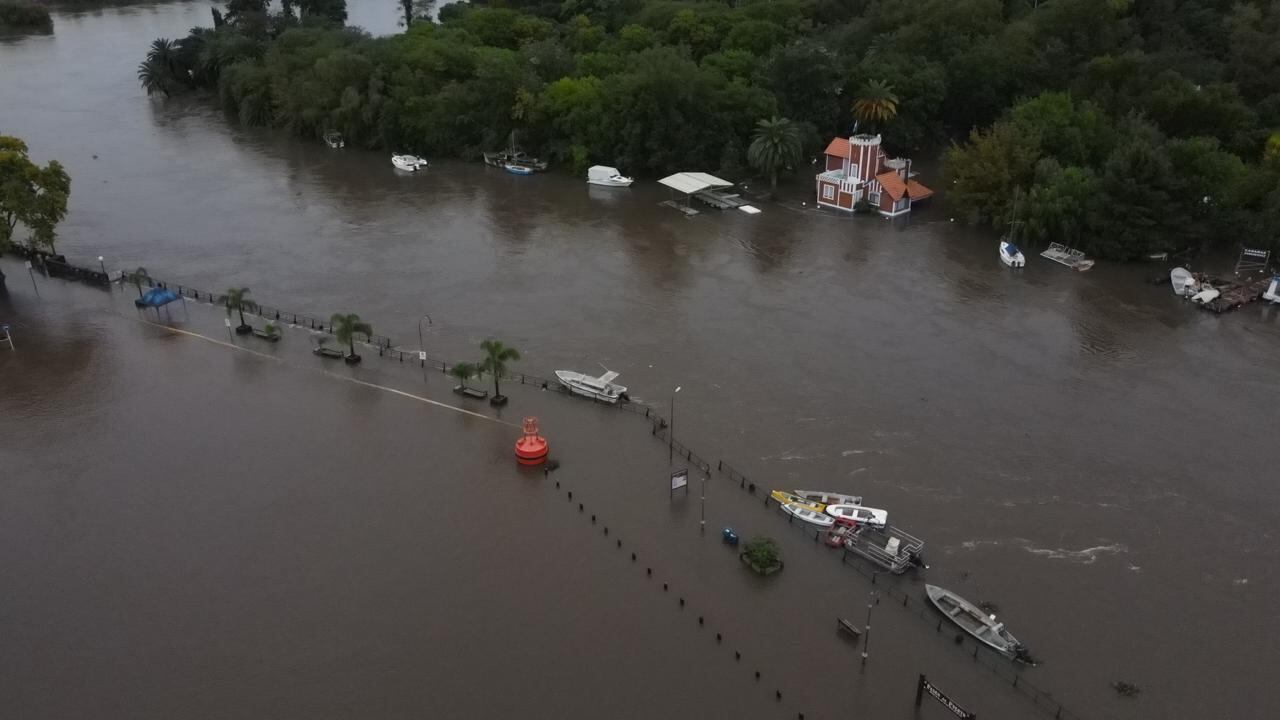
{"type": "Point", "coordinates": [916, 191]}
{"type": "Point", "coordinates": [892, 184]}
{"type": "Point", "coordinates": [839, 147]}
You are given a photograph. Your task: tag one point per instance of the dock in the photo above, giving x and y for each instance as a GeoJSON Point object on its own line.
{"type": "Point", "coordinates": [1064, 255]}
{"type": "Point", "coordinates": [688, 211]}
{"type": "Point", "coordinates": [891, 548]}
{"type": "Point", "coordinates": [720, 200]}
{"type": "Point", "coordinates": [1237, 293]}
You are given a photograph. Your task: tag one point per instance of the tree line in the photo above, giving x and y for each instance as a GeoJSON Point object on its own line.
{"type": "Point", "coordinates": [1125, 128]}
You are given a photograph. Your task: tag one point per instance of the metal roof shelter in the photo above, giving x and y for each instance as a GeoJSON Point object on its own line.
{"type": "Point", "coordinates": [693, 182]}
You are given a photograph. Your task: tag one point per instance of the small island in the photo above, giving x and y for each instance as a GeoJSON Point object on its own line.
{"type": "Point", "coordinates": [23, 16]}
{"type": "Point", "coordinates": [762, 556]}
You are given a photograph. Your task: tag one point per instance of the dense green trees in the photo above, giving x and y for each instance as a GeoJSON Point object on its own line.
{"type": "Point", "coordinates": [1106, 113]}
{"type": "Point", "coordinates": [20, 16]}
{"type": "Point", "coordinates": [31, 196]}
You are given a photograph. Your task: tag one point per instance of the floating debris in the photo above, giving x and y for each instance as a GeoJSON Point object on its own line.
{"type": "Point", "coordinates": [1125, 689]}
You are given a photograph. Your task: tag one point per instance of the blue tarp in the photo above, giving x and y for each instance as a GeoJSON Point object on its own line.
{"type": "Point", "coordinates": [155, 297]}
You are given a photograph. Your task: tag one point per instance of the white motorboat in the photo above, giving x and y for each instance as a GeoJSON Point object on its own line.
{"type": "Point", "coordinates": [808, 514]}
{"type": "Point", "coordinates": [1010, 255]}
{"type": "Point", "coordinates": [1183, 282]}
{"type": "Point", "coordinates": [1272, 293]}
{"type": "Point", "coordinates": [600, 388]}
{"type": "Point", "coordinates": [860, 514]}
{"type": "Point", "coordinates": [820, 497]}
{"type": "Point", "coordinates": [1207, 294]}
{"type": "Point", "coordinates": [409, 163]}
{"type": "Point", "coordinates": [607, 176]}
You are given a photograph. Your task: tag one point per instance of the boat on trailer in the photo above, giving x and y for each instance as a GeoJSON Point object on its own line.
{"type": "Point", "coordinates": [808, 514]}
{"type": "Point", "coordinates": [971, 619]}
{"type": "Point", "coordinates": [827, 498]}
{"type": "Point", "coordinates": [889, 547]}
{"type": "Point", "coordinates": [600, 388]}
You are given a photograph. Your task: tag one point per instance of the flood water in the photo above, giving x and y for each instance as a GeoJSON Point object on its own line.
{"type": "Point", "coordinates": [1085, 451]}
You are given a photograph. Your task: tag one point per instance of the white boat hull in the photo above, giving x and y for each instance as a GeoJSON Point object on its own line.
{"type": "Point", "coordinates": [408, 163]}
{"type": "Point", "coordinates": [860, 514]}
{"type": "Point", "coordinates": [600, 389]}
{"type": "Point", "coordinates": [1183, 282]}
{"type": "Point", "coordinates": [1206, 296]}
{"type": "Point", "coordinates": [613, 182]}
{"type": "Point", "coordinates": [1272, 293]}
{"type": "Point", "coordinates": [808, 514]}
{"type": "Point", "coordinates": [1012, 256]}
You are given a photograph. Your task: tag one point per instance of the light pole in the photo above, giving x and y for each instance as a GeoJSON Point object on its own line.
{"type": "Point", "coordinates": [671, 430]}
{"type": "Point", "coordinates": [102, 265]}
{"type": "Point", "coordinates": [702, 525]}
{"type": "Point", "coordinates": [422, 349]}
{"type": "Point", "coordinates": [866, 640]}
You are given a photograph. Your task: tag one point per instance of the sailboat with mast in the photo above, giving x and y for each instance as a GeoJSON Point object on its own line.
{"type": "Point", "coordinates": [1010, 255]}
{"type": "Point", "coordinates": [514, 157]}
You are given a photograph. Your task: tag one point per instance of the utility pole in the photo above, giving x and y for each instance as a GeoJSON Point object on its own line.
{"type": "Point", "coordinates": [671, 429]}
{"type": "Point", "coordinates": [422, 349]}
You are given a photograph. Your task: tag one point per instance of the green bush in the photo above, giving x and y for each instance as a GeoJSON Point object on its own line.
{"type": "Point", "coordinates": [23, 16]}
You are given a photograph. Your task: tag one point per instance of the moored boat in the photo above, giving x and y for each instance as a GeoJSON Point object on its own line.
{"type": "Point", "coordinates": [1272, 293]}
{"type": "Point", "coordinates": [1183, 282]}
{"type": "Point", "coordinates": [1010, 255]}
{"type": "Point", "coordinates": [600, 388]}
{"type": "Point", "coordinates": [333, 139]}
{"type": "Point", "coordinates": [859, 514]}
{"type": "Point", "coordinates": [808, 514]}
{"type": "Point", "coordinates": [977, 623]}
{"type": "Point", "coordinates": [607, 176]}
{"type": "Point", "coordinates": [515, 169]}
{"type": "Point", "coordinates": [828, 498]}
{"type": "Point", "coordinates": [408, 163]}
{"type": "Point", "coordinates": [784, 497]}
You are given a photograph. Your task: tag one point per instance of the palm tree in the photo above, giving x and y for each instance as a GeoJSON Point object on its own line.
{"type": "Point", "coordinates": [137, 276]}
{"type": "Point", "coordinates": [876, 103]}
{"type": "Point", "coordinates": [238, 299]}
{"type": "Point", "coordinates": [345, 327]}
{"type": "Point", "coordinates": [154, 78]}
{"type": "Point", "coordinates": [774, 144]}
{"type": "Point", "coordinates": [464, 372]}
{"type": "Point", "coordinates": [495, 362]}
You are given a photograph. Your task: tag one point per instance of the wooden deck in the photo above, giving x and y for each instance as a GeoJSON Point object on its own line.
{"type": "Point", "coordinates": [688, 211]}
{"type": "Point", "coordinates": [720, 200]}
{"type": "Point", "coordinates": [1237, 293]}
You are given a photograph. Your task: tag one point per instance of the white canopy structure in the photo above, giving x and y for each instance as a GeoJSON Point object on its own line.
{"type": "Point", "coordinates": [693, 182]}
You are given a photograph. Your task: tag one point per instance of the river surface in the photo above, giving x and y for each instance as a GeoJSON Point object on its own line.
{"type": "Point", "coordinates": [1084, 450]}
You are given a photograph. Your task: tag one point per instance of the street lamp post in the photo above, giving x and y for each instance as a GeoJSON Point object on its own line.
{"type": "Point", "coordinates": [671, 429]}
{"type": "Point", "coordinates": [702, 525]}
{"type": "Point", "coordinates": [102, 264]}
{"type": "Point", "coordinates": [422, 348]}
{"type": "Point", "coordinates": [866, 639]}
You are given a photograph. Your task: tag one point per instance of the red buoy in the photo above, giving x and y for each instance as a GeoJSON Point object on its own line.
{"type": "Point", "coordinates": [531, 448]}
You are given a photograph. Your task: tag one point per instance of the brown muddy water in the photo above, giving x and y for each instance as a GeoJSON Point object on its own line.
{"type": "Point", "coordinates": [199, 531]}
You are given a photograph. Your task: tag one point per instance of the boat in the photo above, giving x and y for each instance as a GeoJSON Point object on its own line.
{"type": "Point", "coordinates": [408, 163]}
{"type": "Point", "coordinates": [1010, 255]}
{"type": "Point", "coordinates": [607, 176]}
{"type": "Point", "coordinates": [1183, 282]}
{"type": "Point", "coordinates": [1272, 293]}
{"type": "Point", "coordinates": [1207, 294]}
{"type": "Point", "coordinates": [514, 156]}
{"type": "Point", "coordinates": [889, 548]}
{"type": "Point", "coordinates": [808, 514]}
{"type": "Point", "coordinates": [333, 139]}
{"type": "Point", "coordinates": [600, 388]}
{"type": "Point", "coordinates": [827, 498]}
{"type": "Point", "coordinates": [859, 514]}
{"type": "Point", "coordinates": [1070, 257]}
{"type": "Point", "coordinates": [783, 498]}
{"type": "Point", "coordinates": [515, 169]}
{"type": "Point", "coordinates": [977, 623]}
{"type": "Point", "coordinates": [846, 626]}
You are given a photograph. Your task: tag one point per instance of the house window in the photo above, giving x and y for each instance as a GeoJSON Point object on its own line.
{"type": "Point", "coordinates": [901, 204]}
{"type": "Point", "coordinates": [873, 198]}
{"type": "Point", "coordinates": [828, 192]}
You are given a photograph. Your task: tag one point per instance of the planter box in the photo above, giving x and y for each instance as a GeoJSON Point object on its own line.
{"type": "Point", "coordinates": [471, 392]}
{"type": "Point", "coordinates": [244, 329]}
{"type": "Point", "coordinates": [498, 400]}
{"type": "Point", "coordinates": [759, 570]}
{"type": "Point", "coordinates": [329, 353]}
{"type": "Point", "coordinates": [269, 337]}
{"type": "Point", "coordinates": [351, 359]}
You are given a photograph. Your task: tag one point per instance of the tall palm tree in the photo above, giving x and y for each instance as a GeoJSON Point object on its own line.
{"type": "Point", "coordinates": [237, 299]}
{"type": "Point", "coordinates": [345, 327]}
{"type": "Point", "coordinates": [154, 78]}
{"type": "Point", "coordinates": [876, 103]}
{"type": "Point", "coordinates": [137, 277]}
{"type": "Point", "coordinates": [464, 372]}
{"type": "Point", "coordinates": [495, 362]}
{"type": "Point", "coordinates": [774, 144]}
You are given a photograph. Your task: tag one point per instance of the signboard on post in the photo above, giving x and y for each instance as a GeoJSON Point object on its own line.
{"type": "Point", "coordinates": [422, 355]}
{"type": "Point", "coordinates": [680, 479]}
{"type": "Point", "coordinates": [927, 687]}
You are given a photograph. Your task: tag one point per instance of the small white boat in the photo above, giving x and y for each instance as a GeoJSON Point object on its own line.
{"type": "Point", "coordinates": [408, 163]}
{"type": "Point", "coordinates": [1207, 294]}
{"type": "Point", "coordinates": [515, 169]}
{"type": "Point", "coordinates": [1183, 282]}
{"type": "Point", "coordinates": [600, 388]}
{"type": "Point", "coordinates": [859, 514]}
{"type": "Point", "coordinates": [808, 514]}
{"type": "Point", "coordinates": [1010, 255]}
{"type": "Point", "coordinates": [974, 621]}
{"type": "Point", "coordinates": [607, 176]}
{"type": "Point", "coordinates": [820, 497]}
{"type": "Point", "coordinates": [1272, 293]}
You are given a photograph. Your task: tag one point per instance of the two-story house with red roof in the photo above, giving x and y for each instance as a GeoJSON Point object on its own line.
{"type": "Point", "coordinates": [858, 169]}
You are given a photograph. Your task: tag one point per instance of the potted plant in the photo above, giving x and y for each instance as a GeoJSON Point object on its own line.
{"type": "Point", "coordinates": [495, 363]}
{"type": "Point", "coordinates": [326, 352]}
{"type": "Point", "coordinates": [237, 299]}
{"type": "Point", "coordinates": [761, 555]}
{"type": "Point", "coordinates": [464, 372]}
{"type": "Point", "coordinates": [269, 332]}
{"type": "Point", "coordinates": [344, 328]}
